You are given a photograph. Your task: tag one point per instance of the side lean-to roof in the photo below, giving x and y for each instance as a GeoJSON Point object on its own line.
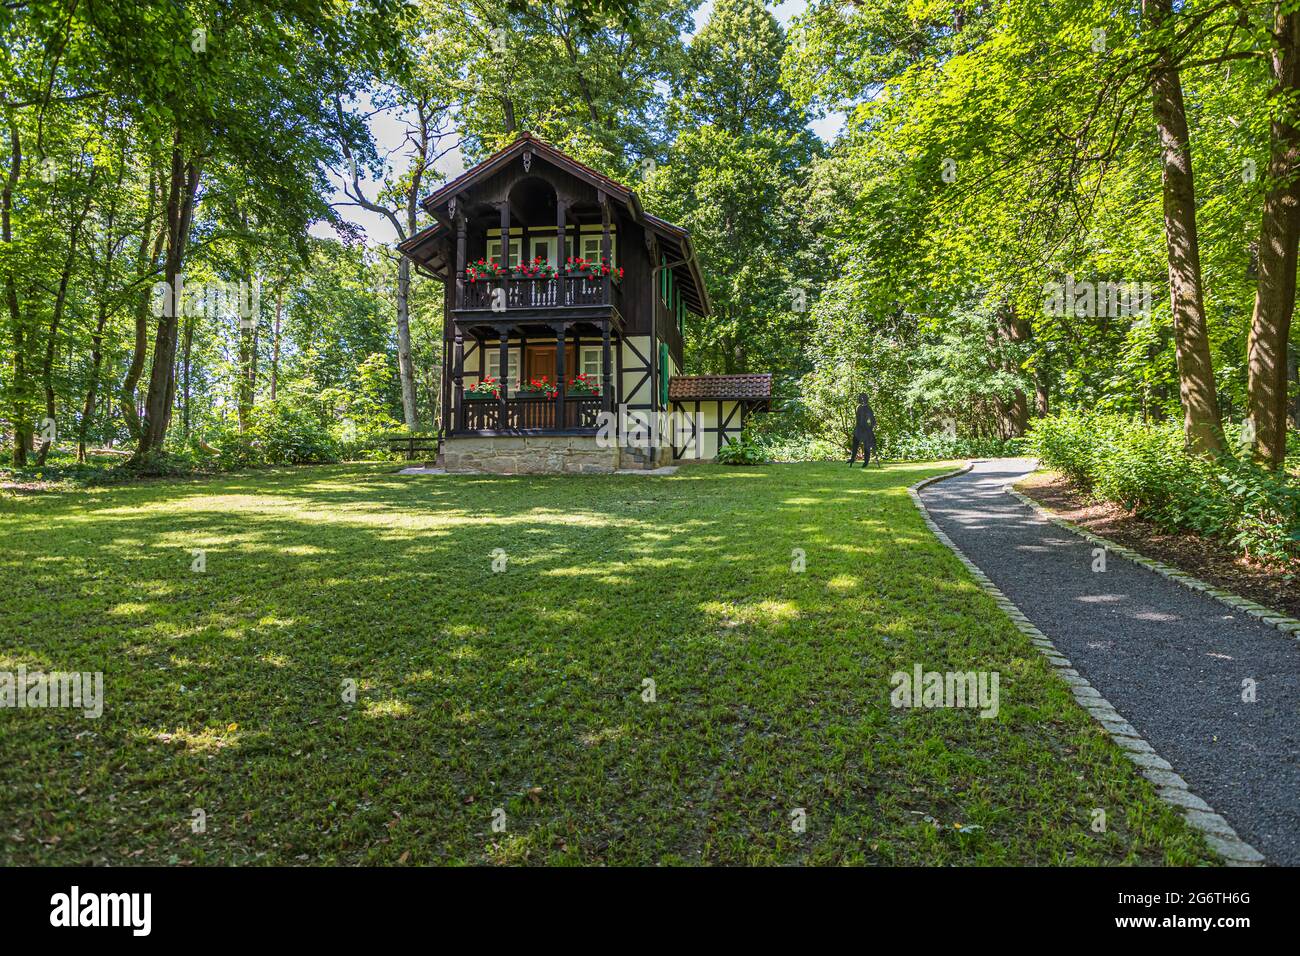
{"type": "Point", "coordinates": [753, 388]}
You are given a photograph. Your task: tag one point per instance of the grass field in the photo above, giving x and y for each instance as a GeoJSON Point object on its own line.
{"type": "Point", "coordinates": [519, 696]}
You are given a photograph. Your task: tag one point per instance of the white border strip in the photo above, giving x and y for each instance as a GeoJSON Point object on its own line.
{"type": "Point", "coordinates": [1170, 787]}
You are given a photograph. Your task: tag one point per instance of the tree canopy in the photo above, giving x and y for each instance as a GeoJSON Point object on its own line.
{"type": "Point", "coordinates": [1028, 207]}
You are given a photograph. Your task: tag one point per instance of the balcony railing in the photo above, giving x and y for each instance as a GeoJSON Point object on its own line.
{"type": "Point", "coordinates": [526, 413]}
{"type": "Point", "coordinates": [555, 292]}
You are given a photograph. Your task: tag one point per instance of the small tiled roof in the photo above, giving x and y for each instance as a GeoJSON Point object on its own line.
{"type": "Point", "coordinates": [687, 388]}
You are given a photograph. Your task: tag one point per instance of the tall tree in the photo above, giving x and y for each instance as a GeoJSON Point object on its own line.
{"type": "Point", "coordinates": [731, 177]}
{"type": "Point", "coordinates": [1202, 425]}
{"type": "Point", "coordinates": [1279, 234]}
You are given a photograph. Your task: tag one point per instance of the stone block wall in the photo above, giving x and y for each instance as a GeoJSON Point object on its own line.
{"type": "Point", "coordinates": [529, 455]}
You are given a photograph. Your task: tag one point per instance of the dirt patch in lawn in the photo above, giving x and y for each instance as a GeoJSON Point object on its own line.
{"type": "Point", "coordinates": [1208, 559]}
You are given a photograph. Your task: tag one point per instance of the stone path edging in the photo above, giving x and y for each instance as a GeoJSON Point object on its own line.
{"type": "Point", "coordinates": [1287, 625]}
{"type": "Point", "coordinates": [1170, 787]}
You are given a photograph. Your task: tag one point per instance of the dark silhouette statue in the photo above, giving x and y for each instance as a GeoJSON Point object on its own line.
{"type": "Point", "coordinates": [864, 432]}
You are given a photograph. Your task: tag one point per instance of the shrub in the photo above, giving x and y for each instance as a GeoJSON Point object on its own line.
{"type": "Point", "coordinates": [1143, 467]}
{"type": "Point", "coordinates": [277, 434]}
{"type": "Point", "coordinates": [798, 448]}
{"type": "Point", "coordinates": [743, 451]}
{"type": "Point", "coordinates": [940, 446]}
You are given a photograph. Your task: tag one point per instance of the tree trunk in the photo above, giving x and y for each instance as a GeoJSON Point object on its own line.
{"type": "Point", "coordinates": [162, 377]}
{"type": "Point", "coordinates": [18, 382]}
{"type": "Point", "coordinates": [56, 316]}
{"type": "Point", "coordinates": [92, 391]}
{"type": "Point", "coordinates": [406, 371]}
{"type": "Point", "coordinates": [247, 355]}
{"type": "Point", "coordinates": [187, 343]}
{"type": "Point", "coordinates": [1270, 327]}
{"type": "Point", "coordinates": [145, 264]}
{"type": "Point", "coordinates": [405, 367]}
{"type": "Point", "coordinates": [101, 318]}
{"type": "Point", "coordinates": [1013, 415]}
{"type": "Point", "coordinates": [275, 342]}
{"type": "Point", "coordinates": [1042, 388]}
{"type": "Point", "coordinates": [1202, 425]}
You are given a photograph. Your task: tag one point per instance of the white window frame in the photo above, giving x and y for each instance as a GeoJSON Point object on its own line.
{"type": "Point", "coordinates": [493, 364]}
{"type": "Point", "coordinates": [590, 351]}
{"type": "Point", "coordinates": [550, 243]}
{"type": "Point", "coordinates": [593, 241]}
{"type": "Point", "coordinates": [494, 250]}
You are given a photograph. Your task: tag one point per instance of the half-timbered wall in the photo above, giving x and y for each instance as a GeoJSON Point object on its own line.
{"type": "Point", "coordinates": [708, 425]}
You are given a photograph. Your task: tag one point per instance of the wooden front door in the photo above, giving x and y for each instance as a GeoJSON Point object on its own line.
{"type": "Point", "coordinates": [541, 361]}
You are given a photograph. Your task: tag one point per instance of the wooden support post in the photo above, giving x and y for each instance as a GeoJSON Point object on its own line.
{"type": "Point", "coordinates": [561, 240]}
{"type": "Point", "coordinates": [460, 260]}
{"type": "Point", "coordinates": [605, 248]}
{"type": "Point", "coordinates": [606, 371]}
{"type": "Point", "coordinates": [560, 330]}
{"type": "Point", "coordinates": [458, 375]}
{"type": "Point", "coordinates": [505, 253]}
{"type": "Point", "coordinates": [505, 234]}
{"type": "Point", "coordinates": [503, 376]}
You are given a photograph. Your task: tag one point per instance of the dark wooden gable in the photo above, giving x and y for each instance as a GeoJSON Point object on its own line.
{"type": "Point", "coordinates": [587, 194]}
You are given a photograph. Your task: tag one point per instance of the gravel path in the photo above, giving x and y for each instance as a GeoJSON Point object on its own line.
{"type": "Point", "coordinates": [1170, 659]}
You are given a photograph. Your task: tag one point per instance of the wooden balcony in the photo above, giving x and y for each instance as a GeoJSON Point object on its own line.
{"type": "Point", "coordinates": [537, 294]}
{"type": "Point", "coordinates": [528, 415]}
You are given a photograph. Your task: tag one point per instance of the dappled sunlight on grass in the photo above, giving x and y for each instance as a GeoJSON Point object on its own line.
{"type": "Point", "coordinates": [388, 707]}
{"type": "Point", "coordinates": [209, 740]}
{"type": "Point", "coordinates": [650, 679]}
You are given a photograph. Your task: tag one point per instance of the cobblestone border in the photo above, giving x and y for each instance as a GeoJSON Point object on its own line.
{"type": "Point", "coordinates": [1287, 625]}
{"type": "Point", "coordinates": [1170, 787]}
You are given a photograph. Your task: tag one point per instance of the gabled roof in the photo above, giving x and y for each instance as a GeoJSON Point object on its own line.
{"type": "Point", "coordinates": [745, 388]}
{"type": "Point", "coordinates": [502, 158]}
{"type": "Point", "coordinates": [422, 247]}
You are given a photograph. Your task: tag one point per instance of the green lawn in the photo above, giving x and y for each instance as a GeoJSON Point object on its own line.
{"type": "Point", "coordinates": [523, 690]}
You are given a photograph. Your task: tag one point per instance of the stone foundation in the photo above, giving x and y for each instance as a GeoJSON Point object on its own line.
{"type": "Point", "coordinates": [529, 455]}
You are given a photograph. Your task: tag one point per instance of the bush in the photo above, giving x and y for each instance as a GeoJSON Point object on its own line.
{"type": "Point", "coordinates": [1143, 467]}
{"type": "Point", "coordinates": [936, 447]}
{"type": "Point", "coordinates": [940, 447]}
{"type": "Point", "coordinates": [743, 451]}
{"type": "Point", "coordinates": [800, 448]}
{"type": "Point", "coordinates": [277, 434]}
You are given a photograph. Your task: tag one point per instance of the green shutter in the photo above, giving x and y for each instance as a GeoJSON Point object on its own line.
{"type": "Point", "coordinates": [663, 374]}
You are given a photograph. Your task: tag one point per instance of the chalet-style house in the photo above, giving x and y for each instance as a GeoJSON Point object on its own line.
{"type": "Point", "coordinates": [563, 343]}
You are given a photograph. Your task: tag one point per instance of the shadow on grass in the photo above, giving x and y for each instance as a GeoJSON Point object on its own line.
{"type": "Point", "coordinates": [649, 679]}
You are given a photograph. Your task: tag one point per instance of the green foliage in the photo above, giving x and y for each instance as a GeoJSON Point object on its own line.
{"type": "Point", "coordinates": [743, 451]}
{"type": "Point", "coordinates": [1143, 467]}
{"type": "Point", "coordinates": [940, 446]}
{"type": "Point", "coordinates": [731, 176]}
{"type": "Point", "coordinates": [285, 435]}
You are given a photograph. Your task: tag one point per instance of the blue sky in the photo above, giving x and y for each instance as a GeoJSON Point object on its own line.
{"type": "Point", "coordinates": [388, 131]}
